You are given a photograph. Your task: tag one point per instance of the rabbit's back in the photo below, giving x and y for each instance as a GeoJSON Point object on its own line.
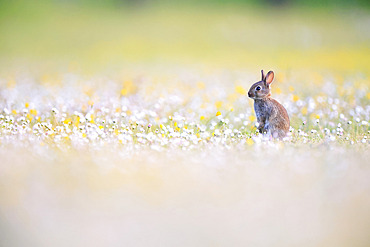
{"type": "Point", "coordinates": [279, 118]}
{"type": "Point", "coordinates": [272, 117]}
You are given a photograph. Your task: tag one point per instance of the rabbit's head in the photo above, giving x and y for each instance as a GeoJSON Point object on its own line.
{"type": "Point", "coordinates": [261, 89]}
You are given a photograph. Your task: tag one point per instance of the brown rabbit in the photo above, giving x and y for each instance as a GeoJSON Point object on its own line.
{"type": "Point", "coordinates": [272, 117]}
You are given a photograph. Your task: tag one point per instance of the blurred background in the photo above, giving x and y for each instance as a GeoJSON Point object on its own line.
{"type": "Point", "coordinates": [93, 35]}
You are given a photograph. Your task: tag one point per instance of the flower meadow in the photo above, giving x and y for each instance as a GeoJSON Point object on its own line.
{"type": "Point", "coordinates": [183, 110]}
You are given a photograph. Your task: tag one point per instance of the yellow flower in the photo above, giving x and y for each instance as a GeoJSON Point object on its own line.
{"type": "Point", "coordinates": [101, 127]}
{"type": "Point", "coordinates": [218, 104]}
{"type": "Point", "coordinates": [295, 98]}
{"type": "Point", "coordinates": [249, 141]}
{"type": "Point", "coordinates": [304, 111]}
{"type": "Point", "coordinates": [317, 116]}
{"type": "Point", "coordinates": [128, 88]}
{"type": "Point", "coordinates": [277, 90]}
{"type": "Point", "coordinates": [29, 117]}
{"type": "Point", "coordinates": [252, 118]}
{"type": "Point", "coordinates": [202, 118]}
{"type": "Point", "coordinates": [67, 121]}
{"type": "Point", "coordinates": [84, 135]}
{"type": "Point", "coordinates": [124, 91]}
{"type": "Point", "coordinates": [14, 112]}
{"type": "Point", "coordinates": [291, 89]}
{"type": "Point", "coordinates": [218, 114]}
{"type": "Point", "coordinates": [161, 126]}
{"type": "Point", "coordinates": [33, 112]}
{"type": "Point", "coordinates": [77, 122]}
{"type": "Point", "coordinates": [240, 90]}
{"type": "Point", "coordinates": [27, 105]}
{"type": "Point", "coordinates": [92, 116]}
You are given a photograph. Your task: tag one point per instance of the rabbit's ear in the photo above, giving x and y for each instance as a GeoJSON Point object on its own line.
{"type": "Point", "coordinates": [263, 76]}
{"type": "Point", "coordinates": [269, 77]}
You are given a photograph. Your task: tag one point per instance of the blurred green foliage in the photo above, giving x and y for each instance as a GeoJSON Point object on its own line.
{"type": "Point", "coordinates": [127, 3]}
{"type": "Point", "coordinates": [100, 33]}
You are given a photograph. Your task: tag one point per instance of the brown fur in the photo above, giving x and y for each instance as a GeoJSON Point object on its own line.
{"type": "Point", "coordinates": [272, 117]}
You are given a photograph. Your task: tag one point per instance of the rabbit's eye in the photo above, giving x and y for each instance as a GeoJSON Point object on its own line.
{"type": "Point", "coordinates": [258, 88]}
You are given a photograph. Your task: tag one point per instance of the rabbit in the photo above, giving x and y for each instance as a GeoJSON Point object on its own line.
{"type": "Point", "coordinates": [272, 117]}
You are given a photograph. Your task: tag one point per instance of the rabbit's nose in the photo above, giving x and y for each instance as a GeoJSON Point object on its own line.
{"type": "Point", "coordinates": [249, 94]}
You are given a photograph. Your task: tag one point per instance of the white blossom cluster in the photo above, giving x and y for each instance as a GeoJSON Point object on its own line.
{"type": "Point", "coordinates": [193, 112]}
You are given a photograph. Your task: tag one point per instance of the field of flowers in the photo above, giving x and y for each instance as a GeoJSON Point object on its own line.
{"type": "Point", "coordinates": [165, 152]}
{"type": "Point", "coordinates": [176, 108]}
